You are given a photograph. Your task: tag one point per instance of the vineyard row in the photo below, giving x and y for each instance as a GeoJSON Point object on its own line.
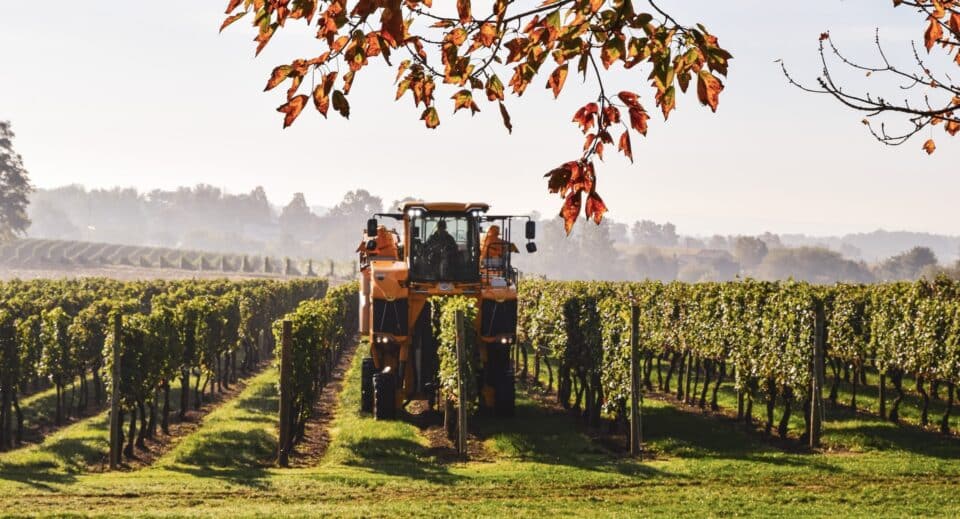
{"type": "Point", "coordinates": [59, 332]}
{"type": "Point", "coordinates": [762, 334]}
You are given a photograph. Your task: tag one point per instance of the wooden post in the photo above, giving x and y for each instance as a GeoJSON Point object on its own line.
{"type": "Point", "coordinates": [816, 380]}
{"type": "Point", "coordinates": [635, 417]}
{"type": "Point", "coordinates": [462, 400]}
{"type": "Point", "coordinates": [283, 454]}
{"type": "Point", "coordinates": [114, 396]}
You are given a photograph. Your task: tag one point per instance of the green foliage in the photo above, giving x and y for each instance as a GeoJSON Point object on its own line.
{"type": "Point", "coordinates": [445, 319]}
{"type": "Point", "coordinates": [320, 328]}
{"type": "Point", "coordinates": [764, 330]}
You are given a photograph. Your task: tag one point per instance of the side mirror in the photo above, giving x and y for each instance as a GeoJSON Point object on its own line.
{"type": "Point", "coordinates": [372, 227]}
{"type": "Point", "coordinates": [531, 247]}
{"type": "Point", "coordinates": [371, 244]}
{"type": "Point", "coordinates": [531, 229]}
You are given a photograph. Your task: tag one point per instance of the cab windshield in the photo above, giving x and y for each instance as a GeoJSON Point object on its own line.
{"type": "Point", "coordinates": [444, 247]}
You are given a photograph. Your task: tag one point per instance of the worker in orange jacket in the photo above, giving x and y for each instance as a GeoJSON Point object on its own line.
{"type": "Point", "coordinates": [386, 245]}
{"type": "Point", "coordinates": [493, 247]}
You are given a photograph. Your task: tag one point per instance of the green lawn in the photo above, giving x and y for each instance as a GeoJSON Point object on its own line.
{"type": "Point", "coordinates": [539, 465]}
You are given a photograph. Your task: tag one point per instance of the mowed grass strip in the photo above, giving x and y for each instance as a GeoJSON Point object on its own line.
{"type": "Point", "coordinates": [239, 434]}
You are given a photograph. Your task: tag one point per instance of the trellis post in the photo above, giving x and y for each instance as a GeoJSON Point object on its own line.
{"type": "Point", "coordinates": [114, 394]}
{"type": "Point", "coordinates": [462, 400]}
{"type": "Point", "coordinates": [283, 454]}
{"type": "Point", "coordinates": [816, 380]}
{"type": "Point", "coordinates": [635, 397]}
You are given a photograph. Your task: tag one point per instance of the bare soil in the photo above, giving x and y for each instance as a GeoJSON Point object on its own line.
{"type": "Point", "coordinates": [310, 450]}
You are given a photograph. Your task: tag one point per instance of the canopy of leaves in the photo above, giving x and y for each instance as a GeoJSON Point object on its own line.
{"type": "Point", "coordinates": [498, 52]}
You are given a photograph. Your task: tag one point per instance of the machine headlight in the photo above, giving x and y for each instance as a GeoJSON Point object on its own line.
{"type": "Point", "coordinates": [506, 340]}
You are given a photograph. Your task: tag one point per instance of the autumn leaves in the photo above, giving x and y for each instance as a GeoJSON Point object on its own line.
{"type": "Point", "coordinates": [468, 52]}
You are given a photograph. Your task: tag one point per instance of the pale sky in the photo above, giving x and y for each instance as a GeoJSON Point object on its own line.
{"type": "Point", "coordinates": [148, 94]}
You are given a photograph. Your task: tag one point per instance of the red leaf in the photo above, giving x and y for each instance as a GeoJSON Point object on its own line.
{"type": "Point", "coordinates": [463, 10]}
{"type": "Point", "coordinates": [625, 146]}
{"type": "Point", "coordinates": [292, 109]}
{"type": "Point", "coordinates": [595, 207]}
{"type": "Point", "coordinates": [559, 178]}
{"type": "Point", "coordinates": [638, 119]}
{"type": "Point", "coordinates": [584, 116]}
{"type": "Point", "coordinates": [571, 210]}
{"type": "Point", "coordinates": [629, 98]}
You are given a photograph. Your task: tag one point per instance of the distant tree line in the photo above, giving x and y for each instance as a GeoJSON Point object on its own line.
{"type": "Point", "coordinates": [207, 218]}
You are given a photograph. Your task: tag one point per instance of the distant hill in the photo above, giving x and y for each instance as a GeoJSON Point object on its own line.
{"type": "Point", "coordinates": [878, 245]}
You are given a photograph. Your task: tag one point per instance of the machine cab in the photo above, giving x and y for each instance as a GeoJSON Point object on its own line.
{"type": "Point", "coordinates": [443, 245]}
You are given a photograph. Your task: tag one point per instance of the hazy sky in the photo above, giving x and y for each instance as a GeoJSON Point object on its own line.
{"type": "Point", "coordinates": [147, 94]}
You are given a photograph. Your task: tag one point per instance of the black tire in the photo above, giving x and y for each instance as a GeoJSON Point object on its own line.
{"type": "Point", "coordinates": [367, 370]}
{"type": "Point", "coordinates": [505, 394]}
{"type": "Point", "coordinates": [384, 396]}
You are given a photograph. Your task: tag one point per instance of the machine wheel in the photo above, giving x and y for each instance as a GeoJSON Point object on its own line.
{"type": "Point", "coordinates": [384, 396]}
{"type": "Point", "coordinates": [366, 385]}
{"type": "Point", "coordinates": [505, 394]}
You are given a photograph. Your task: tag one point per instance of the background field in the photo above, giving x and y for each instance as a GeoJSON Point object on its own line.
{"type": "Point", "coordinates": [536, 464]}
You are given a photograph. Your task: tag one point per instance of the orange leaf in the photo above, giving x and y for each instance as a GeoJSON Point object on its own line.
{"type": "Point", "coordinates": [929, 147]}
{"type": "Point", "coordinates": [430, 117]}
{"type": "Point", "coordinates": [571, 210]}
{"type": "Point", "coordinates": [320, 100]}
{"type": "Point", "coordinates": [933, 34]}
{"type": "Point", "coordinates": [708, 89]}
{"type": "Point", "coordinates": [556, 80]}
{"type": "Point", "coordinates": [487, 34]}
{"type": "Point", "coordinates": [231, 19]}
{"type": "Point", "coordinates": [232, 5]}
{"type": "Point", "coordinates": [595, 207]}
{"type": "Point", "coordinates": [494, 88]}
{"type": "Point", "coordinates": [667, 101]}
{"type": "Point", "coordinates": [952, 127]}
{"type": "Point", "coordinates": [292, 109]}
{"type": "Point", "coordinates": [955, 22]}
{"type": "Point", "coordinates": [278, 75]}
{"type": "Point", "coordinates": [625, 146]}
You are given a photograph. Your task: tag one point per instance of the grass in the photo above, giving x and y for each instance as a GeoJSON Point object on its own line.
{"type": "Point", "coordinates": [540, 466]}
